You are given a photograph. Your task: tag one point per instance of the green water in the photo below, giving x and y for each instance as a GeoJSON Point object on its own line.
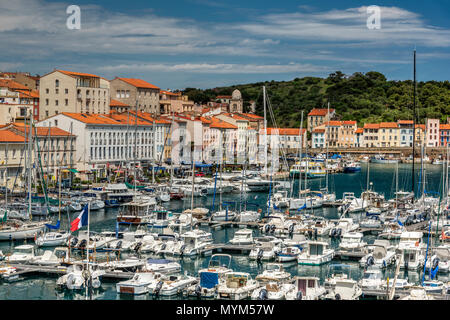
{"type": "Point", "coordinates": [382, 177]}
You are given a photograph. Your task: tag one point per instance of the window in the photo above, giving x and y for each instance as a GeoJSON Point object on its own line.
{"type": "Point", "coordinates": [57, 91]}
{"type": "Point", "coordinates": [56, 102]}
{"type": "Point", "coordinates": [66, 102]}
{"type": "Point", "coordinates": [66, 91]}
{"type": "Point", "coordinates": [56, 83]}
{"type": "Point", "coordinates": [56, 123]}
{"type": "Point", "coordinates": [47, 91]}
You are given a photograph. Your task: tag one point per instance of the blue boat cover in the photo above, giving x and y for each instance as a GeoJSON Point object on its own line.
{"type": "Point", "coordinates": [53, 226]}
{"type": "Point", "coordinates": [158, 261]}
{"type": "Point", "coordinates": [209, 279]}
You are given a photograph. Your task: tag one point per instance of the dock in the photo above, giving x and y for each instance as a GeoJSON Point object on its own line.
{"type": "Point", "coordinates": [217, 225]}
{"type": "Point", "coordinates": [343, 255]}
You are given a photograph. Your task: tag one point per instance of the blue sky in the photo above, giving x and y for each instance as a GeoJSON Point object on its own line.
{"type": "Point", "coordinates": [209, 43]}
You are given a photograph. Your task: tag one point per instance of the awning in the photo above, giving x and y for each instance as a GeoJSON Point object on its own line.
{"type": "Point", "coordinates": [74, 170]}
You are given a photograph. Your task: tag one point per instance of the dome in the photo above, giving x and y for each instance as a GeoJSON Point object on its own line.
{"type": "Point", "coordinates": [236, 95]}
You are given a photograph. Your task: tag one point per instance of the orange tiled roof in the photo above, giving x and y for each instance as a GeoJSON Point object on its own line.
{"type": "Point", "coordinates": [131, 120]}
{"type": "Point", "coordinates": [148, 117]}
{"type": "Point", "coordinates": [420, 126]}
{"type": "Point", "coordinates": [43, 131]}
{"type": "Point", "coordinates": [28, 94]}
{"type": "Point", "coordinates": [78, 74]}
{"type": "Point", "coordinates": [206, 120]}
{"type": "Point", "coordinates": [235, 116]}
{"type": "Point", "coordinates": [349, 122]}
{"type": "Point", "coordinates": [359, 130]}
{"type": "Point", "coordinates": [139, 83]}
{"type": "Point", "coordinates": [371, 126]}
{"type": "Point", "coordinates": [9, 136]}
{"type": "Point", "coordinates": [388, 125]}
{"type": "Point", "coordinates": [115, 103]}
{"type": "Point", "coordinates": [319, 112]}
{"type": "Point", "coordinates": [170, 93]}
{"type": "Point", "coordinates": [252, 116]}
{"type": "Point", "coordinates": [405, 122]}
{"type": "Point", "coordinates": [224, 97]}
{"type": "Point", "coordinates": [284, 131]}
{"type": "Point", "coordinates": [91, 118]}
{"type": "Point", "coordinates": [333, 123]}
{"type": "Point", "coordinates": [444, 126]}
{"type": "Point", "coordinates": [219, 124]}
{"type": "Point", "coordinates": [13, 85]}
{"type": "Point", "coordinates": [317, 130]}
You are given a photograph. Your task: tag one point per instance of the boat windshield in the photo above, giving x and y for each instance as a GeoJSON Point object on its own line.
{"type": "Point", "coordinates": [372, 275]}
{"type": "Point", "coordinates": [273, 267]}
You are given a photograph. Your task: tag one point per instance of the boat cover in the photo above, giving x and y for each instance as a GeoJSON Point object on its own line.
{"type": "Point", "coordinates": [209, 279]}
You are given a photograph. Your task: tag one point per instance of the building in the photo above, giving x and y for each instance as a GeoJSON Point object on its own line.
{"type": "Point", "coordinates": [288, 139]}
{"type": "Point", "coordinates": [405, 133]}
{"type": "Point", "coordinates": [432, 132]}
{"type": "Point", "coordinates": [136, 91]}
{"type": "Point", "coordinates": [219, 141]}
{"type": "Point", "coordinates": [12, 148]}
{"type": "Point", "coordinates": [174, 102]}
{"type": "Point", "coordinates": [370, 135]}
{"type": "Point", "coordinates": [332, 130]}
{"type": "Point", "coordinates": [73, 92]}
{"type": "Point", "coordinates": [444, 135]}
{"type": "Point", "coordinates": [346, 134]}
{"type": "Point", "coordinates": [317, 117]}
{"type": "Point", "coordinates": [119, 107]}
{"type": "Point", "coordinates": [103, 142]}
{"type": "Point", "coordinates": [318, 139]}
{"type": "Point", "coordinates": [388, 134]}
{"type": "Point", "coordinates": [236, 102]}
{"type": "Point", "coordinates": [16, 102]}
{"type": "Point", "coordinates": [359, 137]}
{"type": "Point", "coordinates": [24, 78]}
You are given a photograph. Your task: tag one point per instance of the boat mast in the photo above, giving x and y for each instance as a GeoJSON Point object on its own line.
{"type": "Point", "coordinates": [30, 139]}
{"type": "Point", "coordinates": [414, 125]}
{"type": "Point", "coordinates": [135, 148]}
{"type": "Point", "coordinates": [265, 131]}
{"type": "Point", "coordinates": [300, 161]}
{"type": "Point", "coordinates": [326, 159]}
{"type": "Point", "coordinates": [193, 169]}
{"type": "Point", "coordinates": [154, 151]}
{"type": "Point", "coordinates": [396, 187]}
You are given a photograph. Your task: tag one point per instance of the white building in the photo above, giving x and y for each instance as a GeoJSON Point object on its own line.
{"type": "Point", "coordinates": [432, 134]}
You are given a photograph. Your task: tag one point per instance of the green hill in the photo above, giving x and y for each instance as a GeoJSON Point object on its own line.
{"type": "Point", "coordinates": [363, 97]}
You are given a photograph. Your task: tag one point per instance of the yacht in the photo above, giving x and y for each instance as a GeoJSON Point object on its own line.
{"type": "Point", "coordinates": [137, 211]}
{"type": "Point", "coordinates": [129, 264]}
{"type": "Point", "coordinates": [315, 253]}
{"type": "Point", "coordinates": [161, 266]}
{"type": "Point", "coordinates": [265, 249]}
{"type": "Point", "coordinates": [74, 278]}
{"type": "Point", "coordinates": [19, 230]}
{"type": "Point", "coordinates": [211, 277]}
{"type": "Point", "coordinates": [249, 216]}
{"type": "Point", "coordinates": [412, 250]}
{"type": "Point", "coordinates": [22, 254]}
{"type": "Point", "coordinates": [52, 239]}
{"type": "Point", "coordinates": [343, 226]}
{"type": "Point", "coordinates": [119, 192]}
{"type": "Point", "coordinates": [223, 215]}
{"type": "Point", "coordinates": [273, 272]}
{"type": "Point", "coordinates": [288, 254]}
{"type": "Point", "coordinates": [259, 185]}
{"type": "Point", "coordinates": [381, 255]}
{"type": "Point", "coordinates": [60, 255]}
{"type": "Point", "coordinates": [306, 288]}
{"type": "Point", "coordinates": [272, 291]}
{"type": "Point", "coordinates": [440, 258]}
{"type": "Point", "coordinates": [171, 285]}
{"type": "Point", "coordinates": [340, 285]}
{"type": "Point", "coordinates": [195, 243]}
{"type": "Point", "coordinates": [237, 286]}
{"type": "Point", "coordinates": [243, 237]}
{"type": "Point", "coordinates": [352, 167]}
{"type": "Point", "coordinates": [352, 242]}
{"type": "Point", "coordinates": [372, 280]}
{"type": "Point", "coordinates": [139, 283]}
{"type": "Point", "coordinates": [417, 293]}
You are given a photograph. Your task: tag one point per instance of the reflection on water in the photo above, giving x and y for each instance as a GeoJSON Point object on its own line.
{"type": "Point", "coordinates": [382, 177]}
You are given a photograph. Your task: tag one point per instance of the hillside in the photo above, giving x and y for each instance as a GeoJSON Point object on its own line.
{"type": "Point", "coordinates": [363, 97]}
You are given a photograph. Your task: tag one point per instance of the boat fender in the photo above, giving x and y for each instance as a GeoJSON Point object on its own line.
{"type": "Point", "coordinates": [299, 295]}
{"type": "Point", "coordinates": [337, 296]}
{"type": "Point", "coordinates": [263, 295]}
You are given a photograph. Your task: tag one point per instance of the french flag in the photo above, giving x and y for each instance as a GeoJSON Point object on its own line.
{"type": "Point", "coordinates": [81, 220]}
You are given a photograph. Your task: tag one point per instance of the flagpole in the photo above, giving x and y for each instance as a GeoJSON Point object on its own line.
{"type": "Point", "coordinates": [87, 249]}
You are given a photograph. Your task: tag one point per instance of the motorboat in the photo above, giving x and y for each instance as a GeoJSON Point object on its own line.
{"type": "Point", "coordinates": [138, 211]}
{"type": "Point", "coordinates": [321, 226]}
{"type": "Point", "coordinates": [372, 280]}
{"type": "Point", "coordinates": [417, 293]}
{"type": "Point", "coordinates": [380, 255]}
{"type": "Point", "coordinates": [288, 254]}
{"type": "Point", "coordinates": [392, 230]}
{"type": "Point", "coordinates": [411, 249]}
{"type": "Point", "coordinates": [242, 237]}
{"type": "Point", "coordinates": [22, 254]}
{"type": "Point", "coordinates": [265, 250]}
{"type": "Point", "coordinates": [315, 253]}
{"type": "Point", "coordinates": [352, 242]}
{"type": "Point", "coordinates": [9, 273]}
{"type": "Point", "coordinates": [119, 192]}
{"type": "Point", "coordinates": [340, 285]}
{"type": "Point", "coordinates": [259, 185]}
{"type": "Point", "coordinates": [352, 167]}
{"type": "Point", "coordinates": [139, 283]}
{"type": "Point", "coordinates": [182, 222]}
{"type": "Point", "coordinates": [76, 276]}
{"type": "Point", "coordinates": [60, 255]}
{"type": "Point", "coordinates": [276, 224]}
{"type": "Point", "coordinates": [306, 288]}
{"type": "Point", "coordinates": [280, 199]}
{"type": "Point", "coordinates": [163, 266]}
{"type": "Point", "coordinates": [401, 285]}
{"type": "Point", "coordinates": [211, 277]}
{"type": "Point", "coordinates": [440, 260]}
{"type": "Point", "coordinates": [195, 243]}
{"type": "Point", "coordinates": [237, 286]}
{"type": "Point", "coordinates": [223, 215]}
{"type": "Point", "coordinates": [52, 239]}
{"type": "Point", "coordinates": [129, 264]}
{"type": "Point", "coordinates": [433, 286]}
{"type": "Point", "coordinates": [343, 226]}
{"type": "Point", "coordinates": [249, 216]}
{"type": "Point", "coordinates": [371, 222]}
{"type": "Point", "coordinates": [273, 272]}
{"type": "Point", "coordinates": [159, 219]}
{"type": "Point", "coordinates": [171, 285]}
{"type": "Point", "coordinates": [272, 291]}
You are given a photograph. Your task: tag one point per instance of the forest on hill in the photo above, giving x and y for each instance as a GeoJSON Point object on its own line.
{"type": "Point", "coordinates": [368, 97]}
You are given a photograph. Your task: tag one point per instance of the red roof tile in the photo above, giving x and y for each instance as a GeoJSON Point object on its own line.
{"type": "Point", "coordinates": [319, 112]}
{"type": "Point", "coordinates": [78, 74]}
{"type": "Point", "coordinates": [138, 83]}
{"type": "Point", "coordinates": [9, 136]}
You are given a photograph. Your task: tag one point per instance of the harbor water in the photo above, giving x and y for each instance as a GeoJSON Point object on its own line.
{"type": "Point", "coordinates": [382, 178]}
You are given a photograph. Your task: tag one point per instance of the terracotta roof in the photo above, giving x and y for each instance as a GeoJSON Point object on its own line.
{"type": "Point", "coordinates": [28, 94]}
{"type": "Point", "coordinates": [13, 85]}
{"type": "Point", "coordinates": [349, 122]}
{"type": "Point", "coordinates": [359, 130]}
{"type": "Point", "coordinates": [224, 97]}
{"type": "Point", "coordinates": [170, 93]}
{"type": "Point", "coordinates": [318, 131]}
{"type": "Point", "coordinates": [319, 112]}
{"type": "Point", "coordinates": [131, 120]}
{"type": "Point", "coordinates": [388, 125]}
{"type": "Point", "coordinates": [420, 126]}
{"type": "Point", "coordinates": [43, 131]}
{"type": "Point", "coordinates": [235, 116]}
{"type": "Point", "coordinates": [251, 117]}
{"type": "Point", "coordinates": [219, 124]}
{"type": "Point", "coordinates": [444, 126]}
{"type": "Point", "coordinates": [138, 83]}
{"type": "Point", "coordinates": [148, 117]}
{"type": "Point", "coordinates": [371, 126]}
{"type": "Point", "coordinates": [405, 122]}
{"type": "Point", "coordinates": [284, 131]}
{"type": "Point", "coordinates": [9, 136]}
{"type": "Point", "coordinates": [206, 120]}
{"type": "Point", "coordinates": [116, 103]}
{"type": "Point", "coordinates": [89, 118]}
{"type": "Point", "coordinates": [78, 74]}
{"type": "Point", "coordinates": [333, 123]}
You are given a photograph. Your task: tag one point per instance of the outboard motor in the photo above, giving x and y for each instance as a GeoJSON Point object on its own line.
{"type": "Point", "coordinates": [198, 291]}
{"type": "Point", "coordinates": [158, 288]}
{"type": "Point", "coordinates": [406, 265]}
{"type": "Point", "coordinates": [310, 234]}
{"type": "Point", "coordinates": [370, 261]}
{"type": "Point", "coordinates": [263, 295]}
{"type": "Point", "coordinates": [138, 247]}
{"type": "Point", "coordinates": [337, 296]}
{"type": "Point", "coordinates": [82, 244]}
{"type": "Point", "coordinates": [73, 241]}
{"type": "Point", "coordinates": [119, 244]}
{"type": "Point", "coordinates": [315, 233]}
{"type": "Point", "coordinates": [182, 249]}
{"type": "Point", "coordinates": [338, 233]}
{"type": "Point", "coordinates": [435, 263]}
{"type": "Point", "coordinates": [291, 229]}
{"type": "Point", "coordinates": [272, 228]}
{"type": "Point", "coordinates": [266, 228]}
{"type": "Point", "coordinates": [163, 246]}
{"type": "Point", "coordinates": [299, 295]}
{"type": "Point", "coordinates": [260, 254]}
{"type": "Point", "coordinates": [333, 232]}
